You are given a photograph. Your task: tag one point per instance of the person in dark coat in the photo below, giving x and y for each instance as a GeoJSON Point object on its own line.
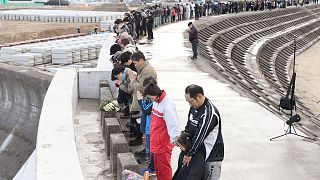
{"type": "Point", "coordinates": [204, 124]}
{"type": "Point", "coordinates": [193, 38]}
{"type": "Point", "coordinates": [195, 169]}
{"type": "Point", "coordinates": [149, 26]}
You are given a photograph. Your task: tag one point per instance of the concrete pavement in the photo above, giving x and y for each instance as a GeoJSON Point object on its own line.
{"type": "Point", "coordinates": [246, 125]}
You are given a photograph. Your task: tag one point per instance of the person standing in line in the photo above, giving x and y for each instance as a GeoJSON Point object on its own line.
{"type": "Point", "coordinates": [150, 25]}
{"type": "Point", "coordinates": [164, 130]}
{"type": "Point", "coordinates": [144, 70]}
{"type": "Point", "coordinates": [192, 5]}
{"type": "Point", "coordinates": [193, 38]}
{"type": "Point", "coordinates": [204, 125]}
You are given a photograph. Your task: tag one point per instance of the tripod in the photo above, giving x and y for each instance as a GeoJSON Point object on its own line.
{"type": "Point", "coordinates": [292, 104]}
{"type": "Point", "coordinates": [289, 131]}
{"type": "Point", "coordinates": [292, 119]}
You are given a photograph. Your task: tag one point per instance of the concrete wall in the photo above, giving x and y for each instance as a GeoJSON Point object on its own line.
{"type": "Point", "coordinates": [22, 91]}
{"type": "Point", "coordinates": [89, 79]}
{"type": "Point", "coordinates": [57, 156]}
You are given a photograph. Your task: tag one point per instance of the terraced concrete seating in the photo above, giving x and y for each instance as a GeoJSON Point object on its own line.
{"type": "Point", "coordinates": [307, 34]}
{"type": "Point", "coordinates": [228, 44]}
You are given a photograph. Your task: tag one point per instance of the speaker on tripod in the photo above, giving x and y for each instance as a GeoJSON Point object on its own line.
{"type": "Point", "coordinates": [288, 102]}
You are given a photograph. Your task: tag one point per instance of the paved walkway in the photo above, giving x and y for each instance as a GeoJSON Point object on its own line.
{"type": "Point", "coordinates": [246, 125]}
{"type": "Point", "coordinates": [90, 143]}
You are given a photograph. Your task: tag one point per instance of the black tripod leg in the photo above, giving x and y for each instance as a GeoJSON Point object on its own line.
{"type": "Point", "coordinates": [294, 129]}
{"type": "Point", "coordinates": [278, 136]}
{"type": "Point", "coordinates": [304, 136]}
{"type": "Point", "coordinates": [295, 133]}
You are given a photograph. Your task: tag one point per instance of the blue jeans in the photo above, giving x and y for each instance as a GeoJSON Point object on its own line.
{"type": "Point", "coordinates": [195, 48]}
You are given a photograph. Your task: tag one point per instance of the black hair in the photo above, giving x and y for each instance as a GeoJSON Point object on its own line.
{"type": "Point", "coordinates": [125, 57]}
{"type": "Point", "coordinates": [185, 140]}
{"type": "Point", "coordinates": [115, 71]}
{"type": "Point", "coordinates": [114, 48]}
{"type": "Point", "coordinates": [193, 90]}
{"type": "Point", "coordinates": [136, 56]}
{"type": "Point", "coordinates": [152, 89]}
{"type": "Point", "coordinates": [118, 21]}
{"type": "Point", "coordinates": [189, 23]}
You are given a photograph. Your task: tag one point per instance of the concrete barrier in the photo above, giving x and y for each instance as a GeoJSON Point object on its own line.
{"type": "Point", "coordinates": [111, 126]}
{"type": "Point", "coordinates": [102, 83]}
{"type": "Point", "coordinates": [57, 156]}
{"type": "Point", "coordinates": [118, 144]}
{"type": "Point", "coordinates": [22, 91]}
{"type": "Point", "coordinates": [126, 161]}
{"type": "Point", "coordinates": [105, 95]}
{"type": "Point", "coordinates": [89, 79]}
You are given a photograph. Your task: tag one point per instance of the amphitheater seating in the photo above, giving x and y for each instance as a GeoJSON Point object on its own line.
{"type": "Point", "coordinates": [230, 44]}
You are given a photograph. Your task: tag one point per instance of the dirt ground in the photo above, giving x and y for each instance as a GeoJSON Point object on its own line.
{"type": "Point", "coordinates": [15, 31]}
{"type": "Point", "coordinates": [308, 77]}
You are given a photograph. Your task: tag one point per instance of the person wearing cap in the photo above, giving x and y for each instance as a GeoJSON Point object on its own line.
{"type": "Point", "coordinates": [121, 75]}
{"type": "Point", "coordinates": [115, 59]}
{"type": "Point", "coordinates": [114, 48]}
{"type": "Point", "coordinates": [193, 38]}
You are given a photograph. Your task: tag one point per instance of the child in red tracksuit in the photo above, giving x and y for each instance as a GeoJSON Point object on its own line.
{"type": "Point", "coordinates": [164, 130]}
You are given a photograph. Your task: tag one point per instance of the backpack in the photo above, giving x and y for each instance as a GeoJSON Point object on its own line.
{"type": "Point", "coordinates": [286, 102]}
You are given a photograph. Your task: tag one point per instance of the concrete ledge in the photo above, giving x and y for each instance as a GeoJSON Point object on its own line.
{"type": "Point", "coordinates": [102, 97]}
{"type": "Point", "coordinates": [126, 161]}
{"type": "Point", "coordinates": [57, 156]}
{"type": "Point", "coordinates": [105, 95]}
{"type": "Point", "coordinates": [103, 83]}
{"type": "Point", "coordinates": [118, 144]}
{"type": "Point", "coordinates": [111, 126]}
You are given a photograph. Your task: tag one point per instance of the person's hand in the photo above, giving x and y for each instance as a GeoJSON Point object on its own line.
{"type": "Point", "coordinates": [132, 75]}
{"type": "Point", "coordinates": [186, 160]}
{"type": "Point", "coordinates": [139, 95]}
{"type": "Point", "coordinates": [118, 82]}
{"type": "Point", "coordinates": [176, 143]}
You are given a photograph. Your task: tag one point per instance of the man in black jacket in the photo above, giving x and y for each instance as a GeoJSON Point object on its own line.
{"type": "Point", "coordinates": [193, 38]}
{"type": "Point", "coordinates": [204, 124]}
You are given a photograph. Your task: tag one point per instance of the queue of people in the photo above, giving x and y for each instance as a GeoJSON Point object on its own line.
{"type": "Point", "coordinates": [141, 22]}
{"type": "Point", "coordinates": [152, 113]}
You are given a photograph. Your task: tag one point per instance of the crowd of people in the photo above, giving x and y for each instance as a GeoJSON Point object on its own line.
{"type": "Point", "coordinates": [141, 22]}
{"type": "Point", "coordinates": [152, 112]}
